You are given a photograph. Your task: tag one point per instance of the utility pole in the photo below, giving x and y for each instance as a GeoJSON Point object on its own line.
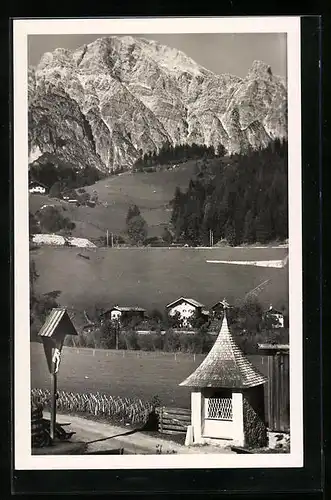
{"type": "Point", "coordinates": [117, 331]}
{"type": "Point", "coordinates": [211, 238]}
{"type": "Point", "coordinates": [112, 239]}
{"type": "Point", "coordinates": [107, 237]}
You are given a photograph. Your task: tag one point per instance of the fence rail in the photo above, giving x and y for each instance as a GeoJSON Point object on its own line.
{"type": "Point", "coordinates": [173, 420]}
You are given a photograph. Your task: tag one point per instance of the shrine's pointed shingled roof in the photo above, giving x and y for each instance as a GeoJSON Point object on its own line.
{"type": "Point", "coordinates": [225, 366]}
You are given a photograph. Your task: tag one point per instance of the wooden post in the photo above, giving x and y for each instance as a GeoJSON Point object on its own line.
{"type": "Point", "coordinates": [107, 237]}
{"type": "Point", "coordinates": [117, 332]}
{"type": "Point", "coordinates": [112, 239]}
{"type": "Point", "coordinates": [161, 418]}
{"type": "Point", "coordinates": [53, 402]}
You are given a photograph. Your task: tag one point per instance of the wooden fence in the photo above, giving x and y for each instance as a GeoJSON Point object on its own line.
{"type": "Point", "coordinates": [277, 388]}
{"type": "Point", "coordinates": [173, 420]}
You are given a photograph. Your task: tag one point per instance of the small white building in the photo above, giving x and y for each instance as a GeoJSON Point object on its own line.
{"type": "Point", "coordinates": [121, 312]}
{"type": "Point", "coordinates": [37, 187]}
{"type": "Point", "coordinates": [186, 308]}
{"type": "Point", "coordinates": [227, 398]}
{"type": "Point", "coordinates": [276, 316]}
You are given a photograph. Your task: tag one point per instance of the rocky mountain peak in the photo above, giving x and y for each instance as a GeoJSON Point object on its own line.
{"type": "Point", "coordinates": [259, 69]}
{"type": "Point", "coordinates": [136, 95]}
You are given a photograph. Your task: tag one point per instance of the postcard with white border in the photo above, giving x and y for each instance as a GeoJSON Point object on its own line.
{"type": "Point", "coordinates": [157, 249]}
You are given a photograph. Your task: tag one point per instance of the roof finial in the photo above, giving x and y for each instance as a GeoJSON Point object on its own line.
{"type": "Point", "coordinates": [225, 304]}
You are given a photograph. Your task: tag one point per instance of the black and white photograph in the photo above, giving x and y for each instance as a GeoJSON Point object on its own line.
{"type": "Point", "coordinates": [158, 268]}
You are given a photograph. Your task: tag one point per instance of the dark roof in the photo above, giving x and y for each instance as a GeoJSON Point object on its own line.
{"type": "Point", "coordinates": [53, 320]}
{"type": "Point", "coordinates": [32, 183]}
{"type": "Point", "coordinates": [225, 366]}
{"type": "Point", "coordinates": [220, 303]}
{"type": "Point", "coordinates": [125, 309]}
{"type": "Point", "coordinates": [274, 347]}
{"type": "Point", "coordinates": [193, 302]}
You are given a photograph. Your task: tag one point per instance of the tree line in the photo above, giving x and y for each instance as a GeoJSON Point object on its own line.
{"type": "Point", "coordinates": [169, 154]}
{"type": "Point", "coordinates": [241, 199]}
{"type": "Point", "coordinates": [247, 322]}
{"type": "Point", "coordinates": [50, 219]}
{"type": "Point", "coordinates": [51, 171]}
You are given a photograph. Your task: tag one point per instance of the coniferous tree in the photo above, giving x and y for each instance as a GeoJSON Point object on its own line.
{"type": "Point", "coordinates": [244, 200]}
{"type": "Point", "coordinates": [133, 211]}
{"type": "Point", "coordinates": [249, 233]}
{"type": "Point", "coordinates": [136, 226]}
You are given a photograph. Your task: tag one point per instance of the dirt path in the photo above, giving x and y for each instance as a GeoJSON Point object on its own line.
{"type": "Point", "coordinates": [133, 442]}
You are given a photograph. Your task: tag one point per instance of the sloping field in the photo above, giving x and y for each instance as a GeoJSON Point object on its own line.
{"type": "Point", "coordinates": [151, 192]}
{"type": "Point", "coordinates": [132, 374]}
{"type": "Point", "coordinates": [154, 277]}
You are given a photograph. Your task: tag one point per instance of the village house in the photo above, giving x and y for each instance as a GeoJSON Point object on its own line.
{"type": "Point", "coordinates": [37, 187]}
{"type": "Point", "coordinates": [277, 317]}
{"type": "Point", "coordinates": [186, 308]}
{"type": "Point", "coordinates": [121, 313]}
{"type": "Point", "coordinates": [217, 309]}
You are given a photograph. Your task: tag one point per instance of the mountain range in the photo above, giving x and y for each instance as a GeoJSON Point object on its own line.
{"type": "Point", "coordinates": [107, 103]}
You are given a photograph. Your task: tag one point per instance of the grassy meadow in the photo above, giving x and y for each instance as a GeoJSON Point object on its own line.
{"type": "Point", "coordinates": [131, 374]}
{"type": "Point", "coordinates": [151, 192]}
{"type": "Point", "coordinates": [154, 277]}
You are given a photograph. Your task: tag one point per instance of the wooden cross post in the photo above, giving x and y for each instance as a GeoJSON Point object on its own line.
{"type": "Point", "coordinates": [53, 401]}
{"type": "Point", "coordinates": [55, 368]}
{"type": "Point", "coordinates": [58, 324]}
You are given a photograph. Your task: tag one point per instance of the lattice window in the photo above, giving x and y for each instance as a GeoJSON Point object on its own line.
{"type": "Point", "coordinates": [219, 408]}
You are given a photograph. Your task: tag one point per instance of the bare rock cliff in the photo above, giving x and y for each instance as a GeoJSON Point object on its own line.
{"type": "Point", "coordinates": [108, 102]}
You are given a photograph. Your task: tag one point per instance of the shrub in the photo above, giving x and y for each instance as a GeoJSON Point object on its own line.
{"type": "Point", "coordinates": [129, 340]}
{"type": "Point", "coordinates": [171, 341]}
{"type": "Point", "coordinates": [51, 220]}
{"type": "Point", "coordinates": [187, 343]}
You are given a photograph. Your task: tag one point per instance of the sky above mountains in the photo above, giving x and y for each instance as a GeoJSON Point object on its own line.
{"type": "Point", "coordinates": [219, 52]}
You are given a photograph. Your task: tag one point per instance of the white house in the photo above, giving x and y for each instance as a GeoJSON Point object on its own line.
{"type": "Point", "coordinates": [37, 187]}
{"type": "Point", "coordinates": [276, 316]}
{"type": "Point", "coordinates": [119, 312]}
{"type": "Point", "coordinates": [186, 308]}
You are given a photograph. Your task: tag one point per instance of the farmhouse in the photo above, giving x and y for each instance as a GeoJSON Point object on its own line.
{"type": "Point", "coordinates": [186, 308]}
{"type": "Point", "coordinates": [218, 309]}
{"type": "Point", "coordinates": [277, 317]}
{"type": "Point", "coordinates": [124, 313]}
{"type": "Point", "coordinates": [37, 187]}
